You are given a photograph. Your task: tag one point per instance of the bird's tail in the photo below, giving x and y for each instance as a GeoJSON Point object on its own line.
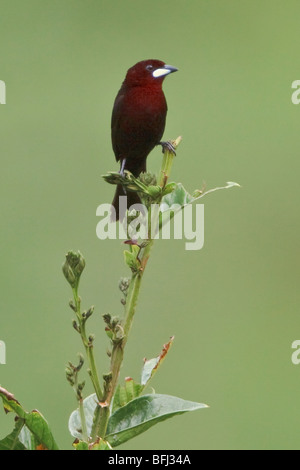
{"type": "Point", "coordinates": [132, 198]}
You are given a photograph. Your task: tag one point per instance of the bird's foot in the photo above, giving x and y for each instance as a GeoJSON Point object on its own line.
{"type": "Point", "coordinates": [167, 146]}
{"type": "Point", "coordinates": [122, 167]}
{"type": "Point", "coordinates": [121, 172]}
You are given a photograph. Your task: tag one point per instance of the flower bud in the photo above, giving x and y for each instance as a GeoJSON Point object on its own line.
{"type": "Point", "coordinates": [169, 188]}
{"type": "Point", "coordinates": [112, 178]}
{"type": "Point", "coordinates": [73, 268]}
{"type": "Point", "coordinates": [197, 193]}
{"type": "Point", "coordinates": [124, 285]}
{"type": "Point", "coordinates": [148, 179]}
{"type": "Point", "coordinates": [154, 191]}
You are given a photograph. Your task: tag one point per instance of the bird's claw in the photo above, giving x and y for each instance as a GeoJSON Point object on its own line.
{"type": "Point", "coordinates": [167, 146]}
{"type": "Point", "coordinates": [122, 167]}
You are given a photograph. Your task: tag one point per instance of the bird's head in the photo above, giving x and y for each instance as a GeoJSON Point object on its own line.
{"type": "Point", "coordinates": [148, 72]}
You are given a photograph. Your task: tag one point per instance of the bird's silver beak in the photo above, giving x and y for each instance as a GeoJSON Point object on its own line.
{"type": "Point", "coordinates": [165, 70]}
{"type": "Point", "coordinates": [170, 68]}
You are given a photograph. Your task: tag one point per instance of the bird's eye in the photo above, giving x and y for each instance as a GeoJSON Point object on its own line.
{"type": "Point", "coordinates": [149, 67]}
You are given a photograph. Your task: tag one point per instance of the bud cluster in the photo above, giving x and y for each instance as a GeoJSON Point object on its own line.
{"type": "Point", "coordinates": [114, 328]}
{"type": "Point", "coordinates": [72, 377]}
{"type": "Point", "coordinates": [73, 268]}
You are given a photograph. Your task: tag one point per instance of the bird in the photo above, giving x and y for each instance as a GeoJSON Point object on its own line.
{"type": "Point", "coordinates": [138, 121]}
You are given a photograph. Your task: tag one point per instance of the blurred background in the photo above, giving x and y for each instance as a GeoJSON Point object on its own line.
{"type": "Point", "coordinates": [233, 306]}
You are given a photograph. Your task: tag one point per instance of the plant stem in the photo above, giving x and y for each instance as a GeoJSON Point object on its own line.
{"type": "Point", "coordinates": [100, 422]}
{"type": "Point", "coordinates": [88, 347]}
{"type": "Point", "coordinates": [131, 302]}
{"type": "Point", "coordinates": [167, 163]}
{"type": "Point", "coordinates": [83, 420]}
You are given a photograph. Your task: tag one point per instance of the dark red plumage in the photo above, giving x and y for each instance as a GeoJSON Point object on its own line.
{"type": "Point", "coordinates": [138, 120]}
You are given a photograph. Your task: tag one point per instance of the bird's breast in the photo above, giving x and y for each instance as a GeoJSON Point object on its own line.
{"type": "Point", "coordinates": [145, 102]}
{"type": "Point", "coordinates": [138, 121]}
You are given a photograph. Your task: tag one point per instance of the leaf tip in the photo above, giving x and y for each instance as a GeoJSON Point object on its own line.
{"type": "Point", "coordinates": [231, 184]}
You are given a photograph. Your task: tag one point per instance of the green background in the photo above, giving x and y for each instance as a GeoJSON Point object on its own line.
{"type": "Point", "coordinates": [233, 306]}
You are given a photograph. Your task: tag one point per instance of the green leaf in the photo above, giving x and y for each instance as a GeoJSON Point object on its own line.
{"type": "Point", "coordinates": [142, 413]}
{"type": "Point", "coordinates": [199, 194]}
{"type": "Point", "coordinates": [11, 404]}
{"type": "Point", "coordinates": [12, 441]}
{"type": "Point", "coordinates": [39, 427]}
{"type": "Point", "coordinates": [151, 365]}
{"type": "Point", "coordinates": [80, 445]}
{"type": "Point", "coordinates": [89, 406]}
{"type": "Point", "coordinates": [28, 439]}
{"type": "Point", "coordinates": [154, 191]}
{"type": "Point", "coordinates": [127, 180]}
{"type": "Point", "coordinates": [180, 197]}
{"type": "Point", "coordinates": [34, 420]}
{"type": "Point", "coordinates": [132, 389]}
{"type": "Point", "coordinates": [131, 257]}
{"type": "Point", "coordinates": [126, 393]}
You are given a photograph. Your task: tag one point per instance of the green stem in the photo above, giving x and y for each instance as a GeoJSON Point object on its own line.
{"type": "Point", "coordinates": [83, 420]}
{"type": "Point", "coordinates": [100, 422]}
{"type": "Point", "coordinates": [118, 353]}
{"type": "Point", "coordinates": [136, 278]}
{"type": "Point", "coordinates": [88, 347]}
{"type": "Point", "coordinates": [131, 302]}
{"type": "Point", "coordinates": [167, 164]}
{"type": "Point", "coordinates": [118, 349]}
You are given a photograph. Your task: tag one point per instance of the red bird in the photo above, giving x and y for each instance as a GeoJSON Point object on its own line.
{"type": "Point", "coordinates": [138, 120]}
